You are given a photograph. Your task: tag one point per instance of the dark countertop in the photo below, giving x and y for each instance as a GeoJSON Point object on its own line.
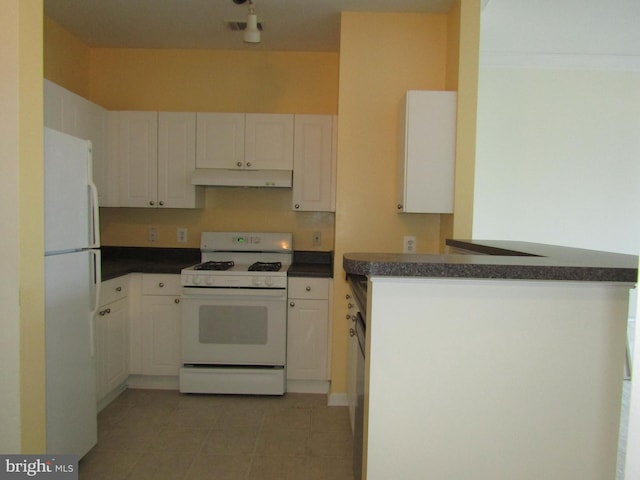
{"type": "Point", "coordinates": [118, 261]}
{"type": "Point", "coordinates": [311, 264]}
{"type": "Point", "coordinates": [500, 259]}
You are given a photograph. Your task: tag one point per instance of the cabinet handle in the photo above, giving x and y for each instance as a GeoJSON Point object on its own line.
{"type": "Point", "coordinates": [177, 300]}
{"type": "Point", "coordinates": [297, 205]}
{"type": "Point", "coordinates": [161, 203]}
{"type": "Point", "coordinates": [104, 312]}
{"type": "Point", "coordinates": [292, 304]}
{"type": "Point", "coordinates": [352, 332]}
{"type": "Point", "coordinates": [118, 289]}
{"type": "Point", "coordinates": [152, 203]}
{"type": "Point", "coordinates": [399, 206]}
{"type": "Point", "coordinates": [347, 296]}
{"type": "Point", "coordinates": [239, 164]}
{"type": "Point", "coordinates": [308, 289]}
{"type": "Point", "coordinates": [161, 284]}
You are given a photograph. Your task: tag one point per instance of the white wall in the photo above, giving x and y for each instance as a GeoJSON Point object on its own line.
{"type": "Point", "coordinates": [558, 157]}
{"type": "Point", "coordinates": [558, 139]}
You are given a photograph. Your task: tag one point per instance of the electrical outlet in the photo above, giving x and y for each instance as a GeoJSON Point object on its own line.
{"type": "Point", "coordinates": [409, 244]}
{"type": "Point", "coordinates": [182, 235]}
{"type": "Point", "coordinates": [317, 238]}
{"type": "Point", "coordinates": [153, 234]}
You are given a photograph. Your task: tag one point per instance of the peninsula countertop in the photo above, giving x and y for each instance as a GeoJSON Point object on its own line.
{"type": "Point", "coordinates": [487, 259]}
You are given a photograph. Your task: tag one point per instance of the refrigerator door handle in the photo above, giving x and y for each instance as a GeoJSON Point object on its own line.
{"type": "Point", "coordinates": [96, 283]}
{"type": "Point", "coordinates": [94, 241]}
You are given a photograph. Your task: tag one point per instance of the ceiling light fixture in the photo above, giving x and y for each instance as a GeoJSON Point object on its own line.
{"type": "Point", "coordinates": [251, 33]}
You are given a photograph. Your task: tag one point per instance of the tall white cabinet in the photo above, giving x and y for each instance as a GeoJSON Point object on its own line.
{"type": "Point", "coordinates": [314, 163]}
{"type": "Point", "coordinates": [427, 152]}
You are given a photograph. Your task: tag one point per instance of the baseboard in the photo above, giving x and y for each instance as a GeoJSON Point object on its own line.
{"type": "Point", "coordinates": [308, 386]}
{"type": "Point", "coordinates": [153, 382]}
{"type": "Point", "coordinates": [111, 396]}
{"type": "Point", "coordinates": [338, 400]}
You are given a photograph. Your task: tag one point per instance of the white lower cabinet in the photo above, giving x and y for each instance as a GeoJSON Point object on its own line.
{"type": "Point", "coordinates": [112, 340]}
{"type": "Point", "coordinates": [308, 335]}
{"type": "Point", "coordinates": [160, 322]}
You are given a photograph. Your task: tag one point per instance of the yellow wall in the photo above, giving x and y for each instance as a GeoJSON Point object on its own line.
{"type": "Point", "coordinates": [381, 57]}
{"type": "Point", "coordinates": [469, 51]}
{"type": "Point", "coordinates": [22, 383]}
{"type": "Point", "coordinates": [66, 59]}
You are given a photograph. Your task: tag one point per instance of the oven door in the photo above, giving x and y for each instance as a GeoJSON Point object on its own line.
{"type": "Point", "coordinates": [234, 326]}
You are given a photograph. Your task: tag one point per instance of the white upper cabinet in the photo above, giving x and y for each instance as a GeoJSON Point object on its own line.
{"type": "Point", "coordinates": [314, 163]}
{"type": "Point", "coordinates": [177, 160]}
{"type": "Point", "coordinates": [220, 140]}
{"type": "Point", "coordinates": [138, 158]}
{"type": "Point", "coordinates": [427, 152]}
{"type": "Point", "coordinates": [156, 155]}
{"type": "Point", "coordinates": [253, 141]}
{"type": "Point", "coordinates": [269, 141]}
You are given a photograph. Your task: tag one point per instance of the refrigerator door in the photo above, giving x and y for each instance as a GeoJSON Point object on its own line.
{"type": "Point", "coordinates": [71, 207]}
{"type": "Point", "coordinates": [70, 282]}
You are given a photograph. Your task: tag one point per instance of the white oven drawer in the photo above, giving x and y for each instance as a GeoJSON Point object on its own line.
{"type": "Point", "coordinates": [161, 284]}
{"type": "Point", "coordinates": [309, 288]}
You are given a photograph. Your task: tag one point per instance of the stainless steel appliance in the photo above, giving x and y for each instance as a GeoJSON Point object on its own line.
{"type": "Point", "coordinates": [234, 314]}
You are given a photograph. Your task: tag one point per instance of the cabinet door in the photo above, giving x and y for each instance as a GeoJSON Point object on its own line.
{"type": "Point", "coordinates": [138, 159]}
{"type": "Point", "coordinates": [220, 140]}
{"type": "Point", "coordinates": [112, 339]}
{"type": "Point", "coordinates": [161, 335]}
{"type": "Point", "coordinates": [314, 163]}
{"type": "Point", "coordinates": [177, 160]}
{"type": "Point", "coordinates": [426, 164]}
{"type": "Point", "coordinates": [269, 141]}
{"type": "Point", "coordinates": [307, 337]}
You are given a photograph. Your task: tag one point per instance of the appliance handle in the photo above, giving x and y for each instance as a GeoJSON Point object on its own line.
{"type": "Point", "coordinates": [96, 284]}
{"type": "Point", "coordinates": [94, 241]}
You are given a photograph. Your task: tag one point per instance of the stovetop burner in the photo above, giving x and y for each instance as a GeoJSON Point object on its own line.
{"type": "Point", "coordinates": [213, 265]}
{"type": "Point", "coordinates": [265, 267]}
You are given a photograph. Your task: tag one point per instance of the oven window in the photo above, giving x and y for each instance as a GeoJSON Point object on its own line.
{"type": "Point", "coordinates": [233, 325]}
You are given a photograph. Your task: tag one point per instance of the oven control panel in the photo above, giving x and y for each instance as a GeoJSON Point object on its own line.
{"type": "Point", "coordinates": [233, 281]}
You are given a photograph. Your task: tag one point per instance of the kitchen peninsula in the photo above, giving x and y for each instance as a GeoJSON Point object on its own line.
{"type": "Point", "coordinates": [504, 360]}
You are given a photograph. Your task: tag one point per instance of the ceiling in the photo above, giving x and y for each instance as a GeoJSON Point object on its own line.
{"type": "Point", "coordinates": [288, 25]}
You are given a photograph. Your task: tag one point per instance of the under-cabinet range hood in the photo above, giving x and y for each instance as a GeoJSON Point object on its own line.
{"type": "Point", "coordinates": [242, 177]}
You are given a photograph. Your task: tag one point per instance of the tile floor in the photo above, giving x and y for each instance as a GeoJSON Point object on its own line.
{"type": "Point", "coordinates": [158, 434]}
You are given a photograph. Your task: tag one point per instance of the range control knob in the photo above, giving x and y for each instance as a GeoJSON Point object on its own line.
{"type": "Point", "coordinates": [196, 280]}
{"type": "Point", "coordinates": [210, 281]}
{"type": "Point", "coordinates": [257, 281]}
{"type": "Point", "coordinates": [268, 281]}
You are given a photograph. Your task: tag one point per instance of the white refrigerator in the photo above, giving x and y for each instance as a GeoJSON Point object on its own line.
{"type": "Point", "coordinates": [72, 283]}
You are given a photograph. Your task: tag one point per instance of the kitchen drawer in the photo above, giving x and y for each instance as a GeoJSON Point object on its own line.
{"type": "Point", "coordinates": [308, 288]}
{"type": "Point", "coordinates": [161, 284]}
{"type": "Point", "coordinates": [114, 289]}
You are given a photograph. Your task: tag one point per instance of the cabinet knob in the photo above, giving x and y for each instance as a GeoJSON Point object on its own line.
{"type": "Point", "coordinates": [399, 206]}
{"type": "Point", "coordinates": [104, 312]}
{"type": "Point", "coordinates": [308, 289]}
{"type": "Point", "coordinates": [347, 296]}
{"type": "Point", "coordinates": [349, 305]}
{"type": "Point", "coordinates": [152, 203]}
{"type": "Point", "coordinates": [161, 203]}
{"type": "Point", "coordinates": [352, 332]}
{"type": "Point", "coordinates": [161, 284]}
{"type": "Point", "coordinates": [248, 164]}
{"type": "Point", "coordinates": [297, 205]}
{"type": "Point", "coordinates": [239, 164]}
{"type": "Point", "coordinates": [292, 304]}
{"type": "Point", "coordinates": [177, 300]}
{"type": "Point", "coordinates": [118, 289]}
